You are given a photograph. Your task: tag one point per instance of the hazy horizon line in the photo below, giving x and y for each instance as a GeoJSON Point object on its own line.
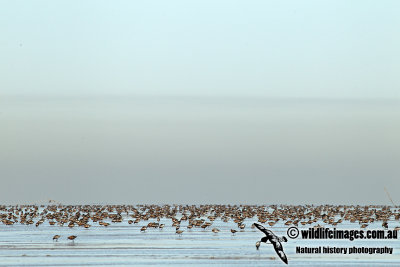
{"type": "Point", "coordinates": [197, 96]}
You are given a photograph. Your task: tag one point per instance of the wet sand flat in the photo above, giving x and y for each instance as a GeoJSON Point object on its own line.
{"type": "Point", "coordinates": [122, 243]}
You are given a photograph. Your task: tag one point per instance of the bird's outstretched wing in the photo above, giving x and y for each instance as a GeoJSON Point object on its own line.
{"type": "Point", "coordinates": [279, 250]}
{"type": "Point", "coordinates": [264, 230]}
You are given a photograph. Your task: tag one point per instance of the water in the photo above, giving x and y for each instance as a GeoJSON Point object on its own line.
{"type": "Point", "coordinates": [122, 244]}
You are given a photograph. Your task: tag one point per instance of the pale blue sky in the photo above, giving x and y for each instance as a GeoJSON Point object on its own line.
{"type": "Point", "coordinates": [200, 101]}
{"type": "Point", "coordinates": [270, 48]}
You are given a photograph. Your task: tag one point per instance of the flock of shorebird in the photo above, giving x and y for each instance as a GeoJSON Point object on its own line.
{"type": "Point", "coordinates": [71, 237]}
{"type": "Point", "coordinates": [201, 216]}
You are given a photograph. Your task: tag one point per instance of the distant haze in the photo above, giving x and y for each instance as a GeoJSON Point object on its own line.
{"type": "Point", "coordinates": [184, 150]}
{"type": "Point", "coordinates": [200, 101]}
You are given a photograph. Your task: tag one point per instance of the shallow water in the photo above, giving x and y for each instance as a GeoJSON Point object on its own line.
{"type": "Point", "coordinates": [124, 244]}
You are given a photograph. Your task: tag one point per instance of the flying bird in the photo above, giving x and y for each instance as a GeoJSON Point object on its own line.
{"type": "Point", "coordinates": [275, 241]}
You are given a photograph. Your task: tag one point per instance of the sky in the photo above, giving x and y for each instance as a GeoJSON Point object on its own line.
{"type": "Point", "coordinates": [255, 102]}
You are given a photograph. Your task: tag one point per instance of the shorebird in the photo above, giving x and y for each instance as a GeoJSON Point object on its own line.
{"type": "Point", "coordinates": [258, 243]}
{"type": "Point", "coordinates": [56, 237]}
{"type": "Point", "coordinates": [72, 237]}
{"type": "Point", "coordinates": [179, 232]}
{"type": "Point", "coordinates": [233, 231]}
{"type": "Point", "coordinates": [215, 230]}
{"type": "Point", "coordinates": [275, 241]}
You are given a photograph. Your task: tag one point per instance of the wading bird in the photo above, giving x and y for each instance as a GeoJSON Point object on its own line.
{"type": "Point", "coordinates": [72, 237]}
{"type": "Point", "coordinates": [179, 232]}
{"type": "Point", "coordinates": [215, 230]}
